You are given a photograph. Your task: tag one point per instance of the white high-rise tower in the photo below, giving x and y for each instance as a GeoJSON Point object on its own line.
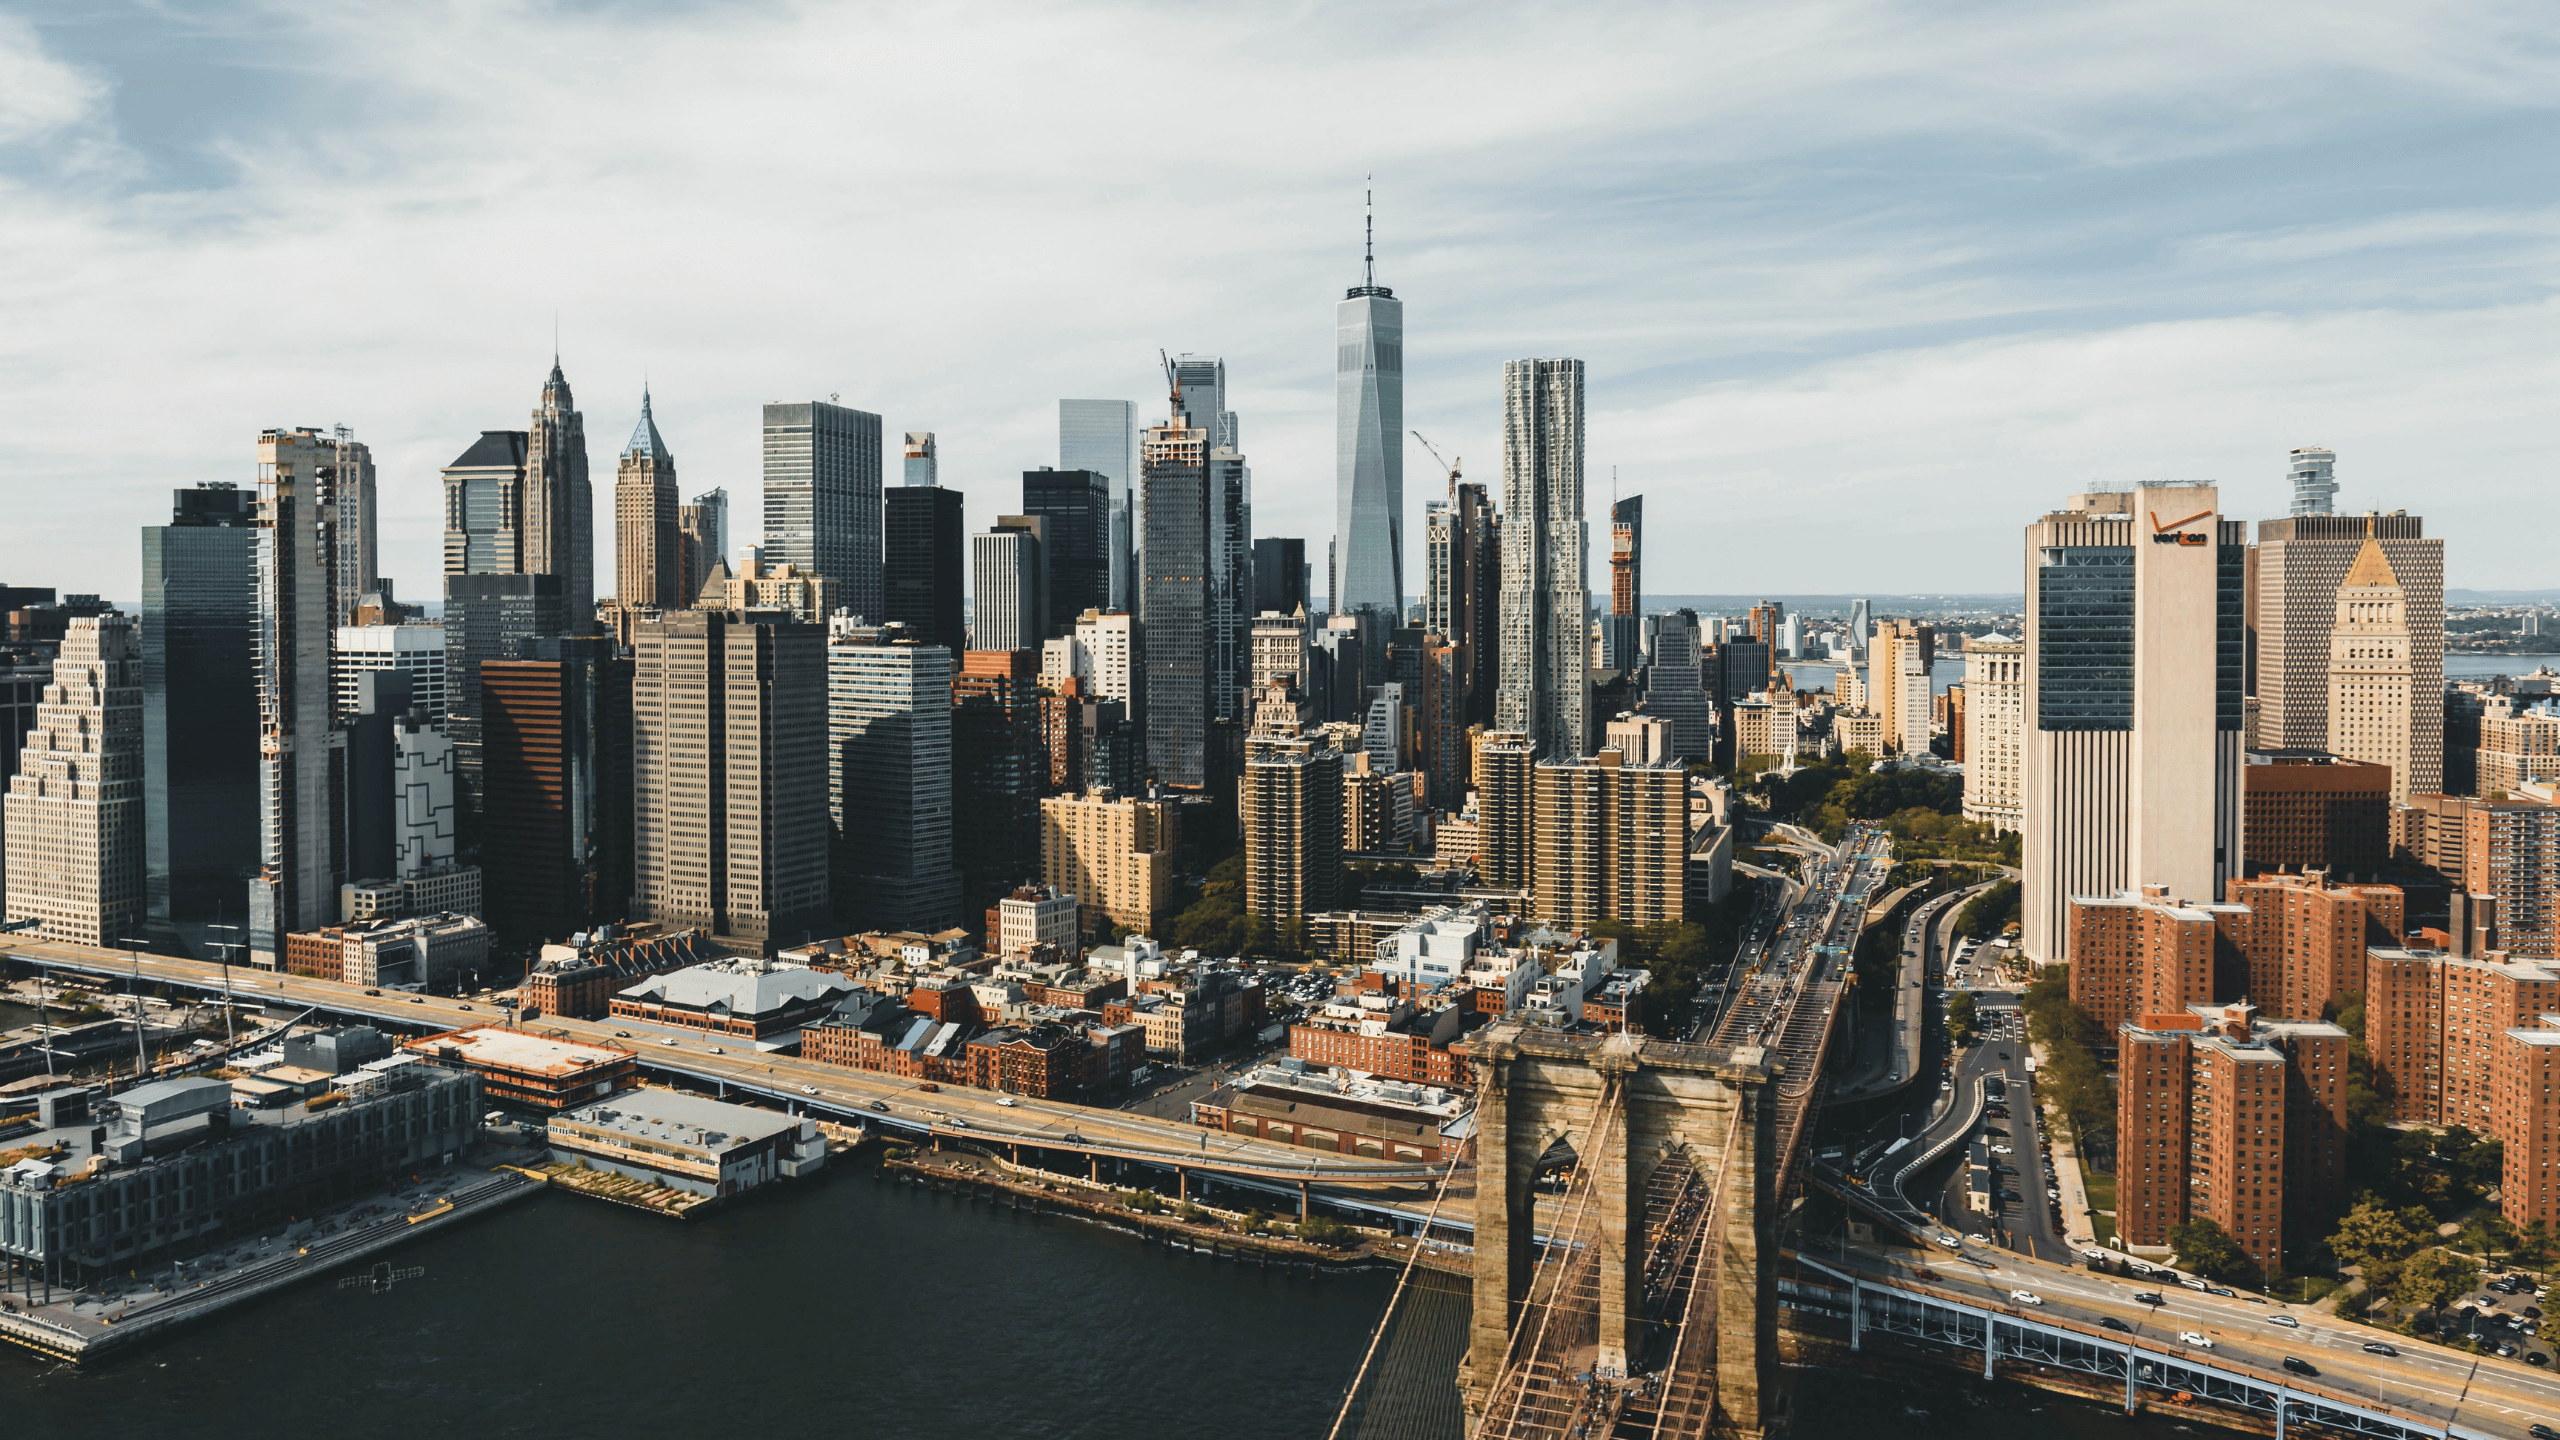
{"type": "Point", "coordinates": [1544, 675]}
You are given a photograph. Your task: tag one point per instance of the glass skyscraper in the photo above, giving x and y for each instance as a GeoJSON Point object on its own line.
{"type": "Point", "coordinates": [1102, 436]}
{"type": "Point", "coordinates": [822, 497]}
{"type": "Point", "coordinates": [1368, 458]}
{"type": "Point", "coordinates": [199, 637]}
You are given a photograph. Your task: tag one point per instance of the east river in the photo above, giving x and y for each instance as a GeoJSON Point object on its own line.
{"type": "Point", "coordinates": [846, 1306]}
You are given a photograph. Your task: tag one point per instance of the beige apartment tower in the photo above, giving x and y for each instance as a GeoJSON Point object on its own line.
{"type": "Point", "coordinates": [1506, 797]}
{"type": "Point", "coordinates": [1995, 688]}
{"type": "Point", "coordinates": [1291, 804]}
{"type": "Point", "coordinates": [1114, 854]}
{"type": "Point", "coordinates": [74, 810]}
{"type": "Point", "coordinates": [2133, 703]}
{"type": "Point", "coordinates": [729, 767]}
{"type": "Point", "coordinates": [2302, 564]}
{"type": "Point", "coordinates": [1612, 841]}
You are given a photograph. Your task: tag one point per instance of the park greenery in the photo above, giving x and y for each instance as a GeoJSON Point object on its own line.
{"type": "Point", "coordinates": [2069, 1077]}
{"type": "Point", "coordinates": [2207, 1249]}
{"type": "Point", "coordinates": [1922, 809]}
{"type": "Point", "coordinates": [1960, 1019]}
{"type": "Point", "coordinates": [1991, 913]}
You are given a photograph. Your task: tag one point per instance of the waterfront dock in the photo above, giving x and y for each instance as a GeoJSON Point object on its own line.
{"type": "Point", "coordinates": [86, 1325]}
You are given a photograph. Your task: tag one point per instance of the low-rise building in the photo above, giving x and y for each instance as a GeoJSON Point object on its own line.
{"type": "Point", "coordinates": [1033, 917]}
{"type": "Point", "coordinates": [534, 1071]}
{"type": "Point", "coordinates": [688, 1142]}
{"type": "Point", "coordinates": [1378, 1035]}
{"type": "Point", "coordinates": [1436, 949]}
{"type": "Point", "coordinates": [579, 979]}
{"type": "Point", "coordinates": [763, 1002]}
{"type": "Point", "coordinates": [1288, 1104]}
{"type": "Point", "coordinates": [419, 952]}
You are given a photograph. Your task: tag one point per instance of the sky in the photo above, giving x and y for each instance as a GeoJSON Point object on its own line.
{"type": "Point", "coordinates": [1860, 288]}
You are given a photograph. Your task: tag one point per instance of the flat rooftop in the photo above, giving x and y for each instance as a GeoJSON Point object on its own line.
{"type": "Point", "coordinates": [522, 1050]}
{"type": "Point", "coordinates": [677, 1118]}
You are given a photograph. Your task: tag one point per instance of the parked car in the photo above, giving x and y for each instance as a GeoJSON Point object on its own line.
{"type": "Point", "coordinates": [2191, 1338]}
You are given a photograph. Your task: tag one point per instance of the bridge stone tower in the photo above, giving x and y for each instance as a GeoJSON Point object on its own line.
{"type": "Point", "coordinates": [1713, 1105]}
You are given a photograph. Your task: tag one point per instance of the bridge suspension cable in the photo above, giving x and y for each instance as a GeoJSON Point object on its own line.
{"type": "Point", "coordinates": [1404, 1278]}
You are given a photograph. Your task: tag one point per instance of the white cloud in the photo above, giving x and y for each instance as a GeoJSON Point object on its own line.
{"type": "Point", "coordinates": [1833, 254]}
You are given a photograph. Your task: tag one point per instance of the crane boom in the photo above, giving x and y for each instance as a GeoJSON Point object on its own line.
{"type": "Point", "coordinates": [1444, 464]}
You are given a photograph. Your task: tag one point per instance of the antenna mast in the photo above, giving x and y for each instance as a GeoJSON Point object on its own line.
{"type": "Point", "coordinates": [1369, 234]}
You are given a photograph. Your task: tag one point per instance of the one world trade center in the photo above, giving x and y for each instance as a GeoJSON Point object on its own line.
{"type": "Point", "coordinates": [1368, 528]}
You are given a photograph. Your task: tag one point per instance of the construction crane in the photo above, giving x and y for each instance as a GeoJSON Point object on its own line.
{"type": "Point", "coordinates": [1449, 466]}
{"type": "Point", "coordinates": [1172, 379]}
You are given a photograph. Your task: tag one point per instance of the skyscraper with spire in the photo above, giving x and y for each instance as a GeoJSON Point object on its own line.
{"type": "Point", "coordinates": [647, 553]}
{"type": "Point", "coordinates": [1368, 460]}
{"type": "Point", "coordinates": [559, 506]}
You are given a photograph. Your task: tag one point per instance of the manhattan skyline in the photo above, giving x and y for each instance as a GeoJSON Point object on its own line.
{"type": "Point", "coordinates": [1813, 278]}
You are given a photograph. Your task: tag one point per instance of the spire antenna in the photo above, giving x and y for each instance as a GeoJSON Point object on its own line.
{"type": "Point", "coordinates": [1369, 233]}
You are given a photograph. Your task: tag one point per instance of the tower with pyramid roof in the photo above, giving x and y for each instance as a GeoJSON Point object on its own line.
{"type": "Point", "coordinates": [647, 558]}
{"type": "Point", "coordinates": [2370, 679]}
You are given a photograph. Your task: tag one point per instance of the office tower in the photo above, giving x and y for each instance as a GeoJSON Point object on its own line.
{"type": "Point", "coordinates": [1008, 608]}
{"type": "Point", "coordinates": [1911, 721]}
{"type": "Point", "coordinates": [74, 812]}
{"type": "Point", "coordinates": [2302, 938]}
{"type": "Point", "coordinates": [559, 506]}
{"type": "Point", "coordinates": [484, 504]}
{"type": "Point", "coordinates": [1545, 684]}
{"type": "Point", "coordinates": [2301, 564]}
{"type": "Point", "coordinates": [729, 728]}
{"type": "Point", "coordinates": [2133, 746]}
{"type": "Point", "coordinates": [1861, 625]}
{"type": "Point", "coordinates": [372, 774]}
{"type": "Point", "coordinates": [1791, 637]}
{"type": "Point", "coordinates": [1368, 449]}
{"type": "Point", "coordinates": [704, 527]}
{"type": "Point", "coordinates": [2515, 746]}
{"type": "Point", "coordinates": [1230, 616]}
{"type": "Point", "coordinates": [2370, 689]}
{"type": "Point", "coordinates": [1292, 811]}
{"type": "Point", "coordinates": [1108, 649]}
{"type": "Point", "coordinates": [2313, 472]}
{"type": "Point", "coordinates": [1505, 774]}
{"type": "Point", "coordinates": [1612, 841]}
{"type": "Point", "coordinates": [484, 617]}
{"type": "Point", "coordinates": [1102, 436]}
{"type": "Point", "coordinates": [922, 571]}
{"type": "Point", "coordinates": [2311, 811]}
{"type": "Point", "coordinates": [1995, 705]}
{"type": "Point", "coordinates": [1338, 670]}
{"type": "Point", "coordinates": [199, 645]}
{"type": "Point", "coordinates": [1115, 854]}
{"type": "Point", "coordinates": [1202, 381]}
{"type": "Point", "coordinates": [2226, 1118]}
{"type": "Point", "coordinates": [1088, 742]}
{"type": "Point", "coordinates": [808, 597]}
{"type": "Point", "coordinates": [1472, 608]}
{"type": "Point", "coordinates": [1439, 724]}
{"type": "Point", "coordinates": [415, 650]}
{"type": "Point", "coordinates": [1075, 509]}
{"type": "Point", "coordinates": [1279, 575]}
{"type": "Point", "coordinates": [1174, 600]}
{"type": "Point", "coordinates": [1280, 649]}
{"type": "Point", "coordinates": [998, 767]}
{"type": "Point", "coordinates": [1902, 649]}
{"type": "Point", "coordinates": [348, 492]}
{"type": "Point", "coordinates": [1676, 686]}
{"type": "Point", "coordinates": [923, 462]}
{"type": "Point", "coordinates": [556, 842]}
{"type": "Point", "coordinates": [648, 560]}
{"type": "Point", "coordinates": [889, 780]}
{"type": "Point", "coordinates": [296, 887]}
{"type": "Point", "coordinates": [822, 503]}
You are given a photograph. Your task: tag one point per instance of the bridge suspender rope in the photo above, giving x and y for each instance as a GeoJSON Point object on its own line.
{"type": "Point", "coordinates": [1704, 1274]}
{"type": "Point", "coordinates": [1520, 1367]}
{"type": "Point", "coordinates": [1393, 1296]}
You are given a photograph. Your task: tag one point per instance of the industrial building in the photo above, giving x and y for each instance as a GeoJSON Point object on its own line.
{"type": "Point", "coordinates": [520, 1067]}
{"type": "Point", "coordinates": [687, 1142]}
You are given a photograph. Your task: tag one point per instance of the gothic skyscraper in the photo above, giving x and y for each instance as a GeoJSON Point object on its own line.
{"type": "Point", "coordinates": [647, 551]}
{"type": "Point", "coordinates": [559, 507]}
{"type": "Point", "coordinates": [1368, 452]}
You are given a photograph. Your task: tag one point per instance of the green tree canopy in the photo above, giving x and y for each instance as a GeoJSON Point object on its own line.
{"type": "Point", "coordinates": [2434, 1279]}
{"type": "Point", "coordinates": [2376, 1239]}
{"type": "Point", "coordinates": [2208, 1249]}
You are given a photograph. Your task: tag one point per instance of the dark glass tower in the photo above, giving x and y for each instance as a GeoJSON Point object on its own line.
{"type": "Point", "coordinates": [1077, 506]}
{"type": "Point", "coordinates": [555, 848]}
{"type": "Point", "coordinates": [923, 566]}
{"type": "Point", "coordinates": [200, 707]}
{"type": "Point", "coordinates": [1279, 574]}
{"type": "Point", "coordinates": [1174, 638]}
{"type": "Point", "coordinates": [484, 615]}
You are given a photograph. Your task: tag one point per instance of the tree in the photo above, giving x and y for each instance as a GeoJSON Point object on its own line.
{"type": "Point", "coordinates": [2376, 1239]}
{"type": "Point", "coordinates": [2434, 1279]}
{"type": "Point", "coordinates": [2208, 1249]}
{"type": "Point", "coordinates": [1960, 1016]}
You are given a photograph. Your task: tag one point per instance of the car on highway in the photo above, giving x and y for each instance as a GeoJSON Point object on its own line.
{"type": "Point", "coordinates": [1073, 1138]}
{"type": "Point", "coordinates": [2004, 1150]}
{"type": "Point", "coordinates": [808, 1089]}
{"type": "Point", "coordinates": [2149, 1297]}
{"type": "Point", "coordinates": [2300, 1367]}
{"type": "Point", "coordinates": [373, 992]}
{"type": "Point", "coordinates": [1950, 1239]}
{"type": "Point", "coordinates": [2286, 1321]}
{"type": "Point", "coordinates": [466, 1007]}
{"type": "Point", "coordinates": [2195, 1285]}
{"type": "Point", "coordinates": [622, 1034]}
{"type": "Point", "coordinates": [417, 999]}
{"type": "Point", "coordinates": [2026, 1297]}
{"type": "Point", "coordinates": [1007, 1101]}
{"type": "Point", "coordinates": [880, 1105]}
{"type": "Point", "coordinates": [667, 1040]}
{"type": "Point", "coordinates": [2376, 1347]}
{"type": "Point", "coordinates": [2194, 1340]}
{"type": "Point", "coordinates": [2222, 1291]}
{"type": "Point", "coordinates": [2113, 1323]}
{"type": "Point", "coordinates": [716, 1050]}
{"type": "Point", "coordinates": [2541, 1431]}
{"type": "Point", "coordinates": [959, 1124]}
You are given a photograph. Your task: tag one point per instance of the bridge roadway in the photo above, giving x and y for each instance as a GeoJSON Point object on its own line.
{"type": "Point", "coordinates": [955, 1112]}
{"type": "Point", "coordinates": [2443, 1390]}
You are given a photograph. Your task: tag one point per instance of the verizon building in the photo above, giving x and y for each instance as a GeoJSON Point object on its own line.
{"type": "Point", "coordinates": [2134, 691]}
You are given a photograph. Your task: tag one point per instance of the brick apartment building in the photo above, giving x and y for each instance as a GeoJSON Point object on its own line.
{"type": "Point", "coordinates": [2302, 939]}
{"type": "Point", "coordinates": [1390, 1041]}
{"type": "Point", "coordinates": [2141, 952]}
{"type": "Point", "coordinates": [2222, 1116]}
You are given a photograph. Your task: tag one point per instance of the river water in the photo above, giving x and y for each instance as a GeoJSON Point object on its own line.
{"type": "Point", "coordinates": [846, 1306]}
